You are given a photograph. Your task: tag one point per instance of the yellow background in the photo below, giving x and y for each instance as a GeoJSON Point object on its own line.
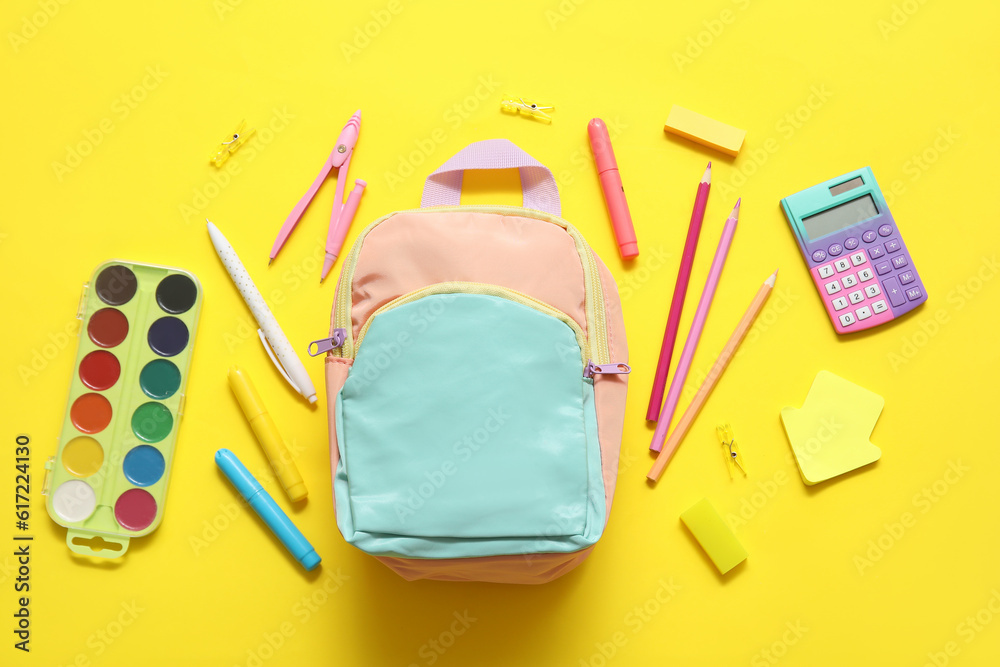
{"type": "Point", "coordinates": [907, 87]}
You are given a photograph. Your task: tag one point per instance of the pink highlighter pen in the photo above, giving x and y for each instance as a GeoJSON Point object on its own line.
{"type": "Point", "coordinates": [614, 193]}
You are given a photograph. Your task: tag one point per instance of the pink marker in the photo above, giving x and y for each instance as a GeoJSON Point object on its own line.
{"type": "Point", "coordinates": [614, 193]}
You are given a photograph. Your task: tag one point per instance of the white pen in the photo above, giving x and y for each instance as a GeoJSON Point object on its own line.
{"type": "Point", "coordinates": [270, 332]}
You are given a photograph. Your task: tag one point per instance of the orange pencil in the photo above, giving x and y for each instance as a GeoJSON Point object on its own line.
{"type": "Point", "coordinates": [674, 441]}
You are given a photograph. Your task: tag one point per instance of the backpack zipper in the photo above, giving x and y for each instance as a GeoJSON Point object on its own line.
{"type": "Point", "coordinates": [458, 287]}
{"type": "Point", "coordinates": [594, 300]}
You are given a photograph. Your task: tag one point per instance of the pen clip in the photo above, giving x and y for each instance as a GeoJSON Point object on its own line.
{"type": "Point", "coordinates": [277, 364]}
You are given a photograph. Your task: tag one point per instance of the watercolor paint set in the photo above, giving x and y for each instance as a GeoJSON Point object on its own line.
{"type": "Point", "coordinates": [108, 480]}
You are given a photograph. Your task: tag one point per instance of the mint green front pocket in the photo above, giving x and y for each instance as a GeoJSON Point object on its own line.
{"type": "Point", "coordinates": [466, 428]}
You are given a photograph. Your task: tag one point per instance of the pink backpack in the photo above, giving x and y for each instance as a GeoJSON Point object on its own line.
{"type": "Point", "coordinates": [476, 378]}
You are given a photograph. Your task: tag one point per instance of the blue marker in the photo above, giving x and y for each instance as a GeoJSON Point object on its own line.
{"type": "Point", "coordinates": [268, 510]}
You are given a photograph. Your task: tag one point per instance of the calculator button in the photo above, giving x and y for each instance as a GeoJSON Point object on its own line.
{"type": "Point", "coordinates": [875, 252]}
{"type": "Point", "coordinates": [869, 237]}
{"type": "Point", "coordinates": [914, 293]}
{"type": "Point", "coordinates": [832, 287]}
{"type": "Point", "coordinates": [879, 306]}
{"type": "Point", "coordinates": [906, 277]}
{"type": "Point", "coordinates": [842, 265]}
{"type": "Point", "coordinates": [865, 275]}
{"type": "Point", "coordinates": [892, 246]}
{"type": "Point", "coordinates": [851, 243]}
{"type": "Point", "coordinates": [839, 303]}
{"type": "Point", "coordinates": [885, 230]}
{"type": "Point", "coordinates": [819, 256]}
{"type": "Point", "coordinates": [849, 280]}
{"type": "Point", "coordinates": [835, 249]}
{"type": "Point", "coordinates": [863, 313]}
{"type": "Point", "coordinates": [883, 268]}
{"type": "Point", "coordinates": [858, 258]}
{"type": "Point", "coordinates": [856, 297]}
{"type": "Point", "coordinates": [899, 261]}
{"type": "Point", "coordinates": [893, 291]}
{"type": "Point", "coordinates": [873, 291]}
{"type": "Point", "coordinates": [846, 320]}
{"type": "Point", "coordinates": [826, 271]}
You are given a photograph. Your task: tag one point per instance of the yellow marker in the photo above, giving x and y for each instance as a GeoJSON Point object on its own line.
{"type": "Point", "coordinates": [714, 536]}
{"type": "Point", "coordinates": [704, 130]}
{"type": "Point", "coordinates": [267, 434]}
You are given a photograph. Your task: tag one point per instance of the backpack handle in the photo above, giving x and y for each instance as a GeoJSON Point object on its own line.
{"type": "Point", "coordinates": [538, 187]}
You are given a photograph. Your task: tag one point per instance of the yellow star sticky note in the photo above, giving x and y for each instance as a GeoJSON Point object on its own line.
{"type": "Point", "coordinates": [829, 433]}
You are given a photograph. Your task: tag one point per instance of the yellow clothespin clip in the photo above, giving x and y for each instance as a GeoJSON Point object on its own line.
{"type": "Point", "coordinates": [232, 143]}
{"type": "Point", "coordinates": [519, 105]}
{"type": "Point", "coordinates": [734, 459]}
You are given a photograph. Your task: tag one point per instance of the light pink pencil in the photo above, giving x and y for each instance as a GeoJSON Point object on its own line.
{"type": "Point", "coordinates": [728, 352]}
{"type": "Point", "coordinates": [691, 344]}
{"type": "Point", "coordinates": [677, 302]}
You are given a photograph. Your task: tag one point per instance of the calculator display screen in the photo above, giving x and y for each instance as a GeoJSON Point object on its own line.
{"type": "Point", "coordinates": [840, 217]}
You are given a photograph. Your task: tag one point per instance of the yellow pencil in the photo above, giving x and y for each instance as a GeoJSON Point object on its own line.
{"type": "Point", "coordinates": [674, 441]}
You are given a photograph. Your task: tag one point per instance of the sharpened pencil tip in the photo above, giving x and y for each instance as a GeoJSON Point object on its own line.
{"type": "Point", "coordinates": [736, 209]}
{"type": "Point", "coordinates": [707, 176]}
{"type": "Point", "coordinates": [772, 279]}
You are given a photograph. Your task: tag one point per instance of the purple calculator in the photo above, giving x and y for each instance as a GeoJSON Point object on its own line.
{"type": "Point", "coordinates": [854, 251]}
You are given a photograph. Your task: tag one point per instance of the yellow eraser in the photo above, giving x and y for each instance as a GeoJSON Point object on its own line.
{"type": "Point", "coordinates": [714, 536]}
{"type": "Point", "coordinates": [704, 130]}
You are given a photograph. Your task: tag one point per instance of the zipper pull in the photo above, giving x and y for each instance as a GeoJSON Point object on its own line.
{"type": "Point", "coordinates": [605, 369]}
{"type": "Point", "coordinates": [338, 339]}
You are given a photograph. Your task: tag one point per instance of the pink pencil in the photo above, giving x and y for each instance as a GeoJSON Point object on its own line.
{"type": "Point", "coordinates": [677, 302]}
{"type": "Point", "coordinates": [691, 344]}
